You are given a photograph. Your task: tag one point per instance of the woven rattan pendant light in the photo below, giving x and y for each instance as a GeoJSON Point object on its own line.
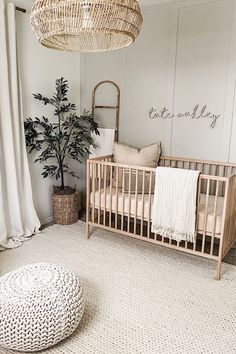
{"type": "Point", "coordinates": [86, 26]}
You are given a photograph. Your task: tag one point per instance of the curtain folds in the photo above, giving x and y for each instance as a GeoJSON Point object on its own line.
{"type": "Point", "coordinates": [18, 219]}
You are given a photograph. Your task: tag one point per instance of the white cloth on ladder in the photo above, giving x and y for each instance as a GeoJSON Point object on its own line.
{"type": "Point", "coordinates": [175, 201]}
{"type": "Point", "coordinates": [104, 143]}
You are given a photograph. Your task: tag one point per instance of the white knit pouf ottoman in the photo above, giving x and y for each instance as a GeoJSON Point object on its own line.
{"type": "Point", "coordinates": [40, 305]}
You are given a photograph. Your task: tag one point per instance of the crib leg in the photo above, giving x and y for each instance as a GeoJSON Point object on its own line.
{"type": "Point", "coordinates": [218, 270]}
{"type": "Point", "coordinates": [87, 235]}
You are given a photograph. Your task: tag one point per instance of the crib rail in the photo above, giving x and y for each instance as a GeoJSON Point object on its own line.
{"type": "Point", "coordinates": [213, 168]}
{"type": "Point", "coordinates": [119, 198]}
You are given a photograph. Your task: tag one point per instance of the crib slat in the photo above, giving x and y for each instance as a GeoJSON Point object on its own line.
{"type": "Point", "coordinates": [224, 172]}
{"type": "Point", "coordinates": [205, 216]}
{"type": "Point", "coordinates": [123, 199]}
{"type": "Point", "coordinates": [99, 193]}
{"type": "Point", "coordinates": [230, 235]}
{"type": "Point", "coordinates": [162, 238]}
{"type": "Point", "coordinates": [93, 189]}
{"type": "Point", "coordinates": [234, 203]}
{"type": "Point", "coordinates": [233, 233]}
{"type": "Point", "coordinates": [136, 201]}
{"type": "Point", "coordinates": [129, 200]}
{"type": "Point", "coordinates": [213, 183]}
{"type": "Point", "coordinates": [230, 171]}
{"type": "Point", "coordinates": [201, 167]}
{"type": "Point", "coordinates": [221, 187]}
{"type": "Point", "coordinates": [233, 224]}
{"type": "Point", "coordinates": [88, 200]}
{"type": "Point", "coordinates": [225, 227]}
{"type": "Point", "coordinates": [105, 194]}
{"type": "Point", "coordinates": [117, 197]}
{"type": "Point", "coordinates": [214, 217]}
{"type": "Point", "coordinates": [208, 169]}
{"type": "Point", "coordinates": [198, 204]}
{"type": "Point", "coordinates": [149, 204]}
{"type": "Point", "coordinates": [142, 213]}
{"type": "Point", "coordinates": [110, 206]}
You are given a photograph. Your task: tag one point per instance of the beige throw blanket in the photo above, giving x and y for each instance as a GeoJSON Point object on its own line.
{"type": "Point", "coordinates": [175, 200]}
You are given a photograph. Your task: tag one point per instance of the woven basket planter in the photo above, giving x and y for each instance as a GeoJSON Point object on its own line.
{"type": "Point", "coordinates": [65, 208]}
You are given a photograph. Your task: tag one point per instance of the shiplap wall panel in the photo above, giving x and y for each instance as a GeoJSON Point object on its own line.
{"type": "Point", "coordinates": [183, 56]}
{"type": "Point", "coordinates": [147, 69]}
{"type": "Point", "coordinates": [232, 153]}
{"type": "Point", "coordinates": [99, 67]}
{"type": "Point", "coordinates": [204, 38]}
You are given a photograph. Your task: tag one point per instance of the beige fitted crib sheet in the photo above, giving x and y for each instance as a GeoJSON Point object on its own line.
{"type": "Point", "coordinates": [123, 207]}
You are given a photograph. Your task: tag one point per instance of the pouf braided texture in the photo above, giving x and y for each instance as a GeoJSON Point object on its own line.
{"type": "Point", "coordinates": [40, 305]}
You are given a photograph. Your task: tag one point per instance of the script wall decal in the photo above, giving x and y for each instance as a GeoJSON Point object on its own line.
{"type": "Point", "coordinates": [196, 113]}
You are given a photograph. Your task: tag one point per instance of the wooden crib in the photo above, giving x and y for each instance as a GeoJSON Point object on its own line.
{"type": "Point", "coordinates": [120, 198]}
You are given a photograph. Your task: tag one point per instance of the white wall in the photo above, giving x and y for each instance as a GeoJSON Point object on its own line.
{"type": "Point", "coordinates": [40, 67]}
{"type": "Point", "coordinates": [185, 55]}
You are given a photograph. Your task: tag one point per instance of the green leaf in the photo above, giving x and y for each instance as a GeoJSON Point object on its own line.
{"type": "Point", "coordinates": [68, 138]}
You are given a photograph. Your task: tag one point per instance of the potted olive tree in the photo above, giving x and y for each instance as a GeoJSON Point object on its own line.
{"type": "Point", "coordinates": [68, 137]}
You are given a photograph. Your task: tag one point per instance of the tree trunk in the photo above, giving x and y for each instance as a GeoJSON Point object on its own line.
{"type": "Point", "coordinates": [60, 157]}
{"type": "Point", "coordinates": [62, 178]}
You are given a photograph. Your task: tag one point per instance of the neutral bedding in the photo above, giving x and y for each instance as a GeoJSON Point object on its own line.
{"type": "Point", "coordinates": [174, 206]}
{"type": "Point", "coordinates": [111, 202]}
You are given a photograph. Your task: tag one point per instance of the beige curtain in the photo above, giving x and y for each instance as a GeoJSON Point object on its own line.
{"type": "Point", "coordinates": [18, 219]}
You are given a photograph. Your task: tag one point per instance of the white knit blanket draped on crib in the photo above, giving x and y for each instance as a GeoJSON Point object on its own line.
{"type": "Point", "coordinates": [175, 200]}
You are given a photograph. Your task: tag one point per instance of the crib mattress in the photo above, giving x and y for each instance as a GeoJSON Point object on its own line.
{"type": "Point", "coordinates": [123, 206]}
